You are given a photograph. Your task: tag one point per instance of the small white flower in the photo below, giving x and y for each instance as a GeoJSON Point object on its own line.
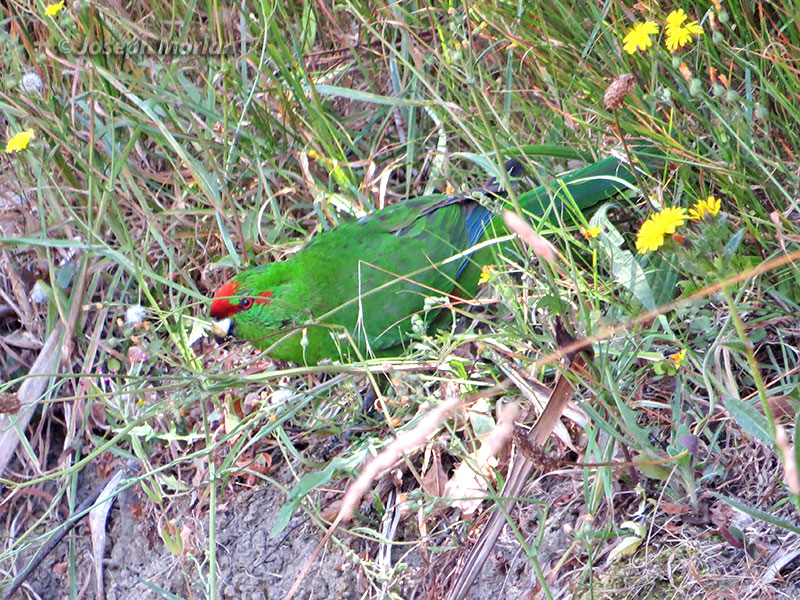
{"type": "Point", "coordinates": [32, 83]}
{"type": "Point", "coordinates": [38, 293]}
{"type": "Point", "coordinates": [280, 396]}
{"type": "Point", "coordinates": [135, 314]}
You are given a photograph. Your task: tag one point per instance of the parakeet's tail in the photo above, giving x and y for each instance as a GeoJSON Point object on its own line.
{"type": "Point", "coordinates": [586, 188]}
{"type": "Point", "coordinates": [592, 184]}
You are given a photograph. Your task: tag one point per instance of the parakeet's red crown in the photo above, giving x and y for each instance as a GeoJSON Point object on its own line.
{"type": "Point", "coordinates": [221, 307]}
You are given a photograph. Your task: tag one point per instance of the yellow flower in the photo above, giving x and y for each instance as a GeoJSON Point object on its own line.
{"type": "Point", "coordinates": [709, 206]}
{"type": "Point", "coordinates": [651, 233]}
{"type": "Point", "coordinates": [52, 10]}
{"type": "Point", "coordinates": [591, 232]}
{"type": "Point", "coordinates": [678, 34]}
{"type": "Point", "coordinates": [678, 357]}
{"type": "Point", "coordinates": [19, 141]}
{"type": "Point", "coordinates": [486, 271]}
{"type": "Point", "coordinates": [649, 237]}
{"type": "Point", "coordinates": [676, 18]}
{"type": "Point", "coordinates": [638, 38]}
{"type": "Point", "coordinates": [670, 218]}
{"type": "Point", "coordinates": [313, 154]}
{"type": "Point", "coordinates": [693, 28]}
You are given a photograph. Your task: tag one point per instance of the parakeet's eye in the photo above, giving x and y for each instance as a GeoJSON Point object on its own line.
{"type": "Point", "coordinates": [246, 303]}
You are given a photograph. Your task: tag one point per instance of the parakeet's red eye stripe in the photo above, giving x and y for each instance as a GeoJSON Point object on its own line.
{"type": "Point", "coordinates": [264, 298]}
{"type": "Point", "coordinates": [221, 307]}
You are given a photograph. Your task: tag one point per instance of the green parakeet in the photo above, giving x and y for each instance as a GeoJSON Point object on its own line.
{"type": "Point", "coordinates": [361, 282]}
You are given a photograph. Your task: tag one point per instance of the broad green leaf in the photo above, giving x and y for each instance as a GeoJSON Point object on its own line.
{"type": "Point", "coordinates": [302, 488]}
{"type": "Point", "coordinates": [733, 244]}
{"type": "Point", "coordinates": [309, 482]}
{"type": "Point", "coordinates": [624, 268]}
{"type": "Point", "coordinates": [758, 514]}
{"type": "Point", "coordinates": [750, 419]}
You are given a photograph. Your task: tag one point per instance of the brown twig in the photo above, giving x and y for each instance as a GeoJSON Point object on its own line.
{"type": "Point", "coordinates": [518, 475]}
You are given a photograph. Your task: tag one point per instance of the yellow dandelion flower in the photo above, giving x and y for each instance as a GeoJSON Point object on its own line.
{"type": "Point", "coordinates": [486, 272]}
{"type": "Point", "coordinates": [678, 34]}
{"type": "Point", "coordinates": [19, 141]}
{"type": "Point", "coordinates": [313, 154]}
{"type": "Point", "coordinates": [709, 206]}
{"type": "Point", "coordinates": [651, 234]}
{"type": "Point", "coordinates": [670, 218]}
{"type": "Point", "coordinates": [677, 38]}
{"type": "Point", "coordinates": [52, 10]}
{"type": "Point", "coordinates": [638, 38]}
{"type": "Point", "coordinates": [649, 238]}
{"type": "Point", "coordinates": [676, 18]}
{"type": "Point", "coordinates": [678, 358]}
{"type": "Point", "coordinates": [591, 232]}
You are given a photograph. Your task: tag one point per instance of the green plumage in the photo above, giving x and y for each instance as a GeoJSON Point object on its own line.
{"type": "Point", "coordinates": [362, 281]}
{"type": "Point", "coordinates": [347, 277]}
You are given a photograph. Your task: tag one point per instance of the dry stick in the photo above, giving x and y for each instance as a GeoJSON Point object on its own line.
{"type": "Point", "coordinates": [520, 471]}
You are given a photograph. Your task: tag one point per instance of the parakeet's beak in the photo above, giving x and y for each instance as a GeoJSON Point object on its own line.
{"type": "Point", "coordinates": [222, 328]}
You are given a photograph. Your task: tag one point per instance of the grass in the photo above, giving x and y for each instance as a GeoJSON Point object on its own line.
{"type": "Point", "coordinates": [152, 178]}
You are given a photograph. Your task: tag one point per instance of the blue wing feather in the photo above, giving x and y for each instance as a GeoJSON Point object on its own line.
{"type": "Point", "coordinates": [477, 221]}
{"type": "Point", "coordinates": [478, 218]}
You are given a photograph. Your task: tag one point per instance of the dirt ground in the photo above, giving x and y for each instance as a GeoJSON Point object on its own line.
{"type": "Point", "coordinates": [251, 564]}
{"type": "Point", "coordinates": [254, 566]}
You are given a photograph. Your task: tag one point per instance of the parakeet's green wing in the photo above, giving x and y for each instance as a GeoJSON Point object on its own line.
{"type": "Point", "coordinates": [377, 271]}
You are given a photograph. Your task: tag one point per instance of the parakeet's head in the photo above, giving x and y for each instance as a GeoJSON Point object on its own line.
{"type": "Point", "coordinates": [255, 305]}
